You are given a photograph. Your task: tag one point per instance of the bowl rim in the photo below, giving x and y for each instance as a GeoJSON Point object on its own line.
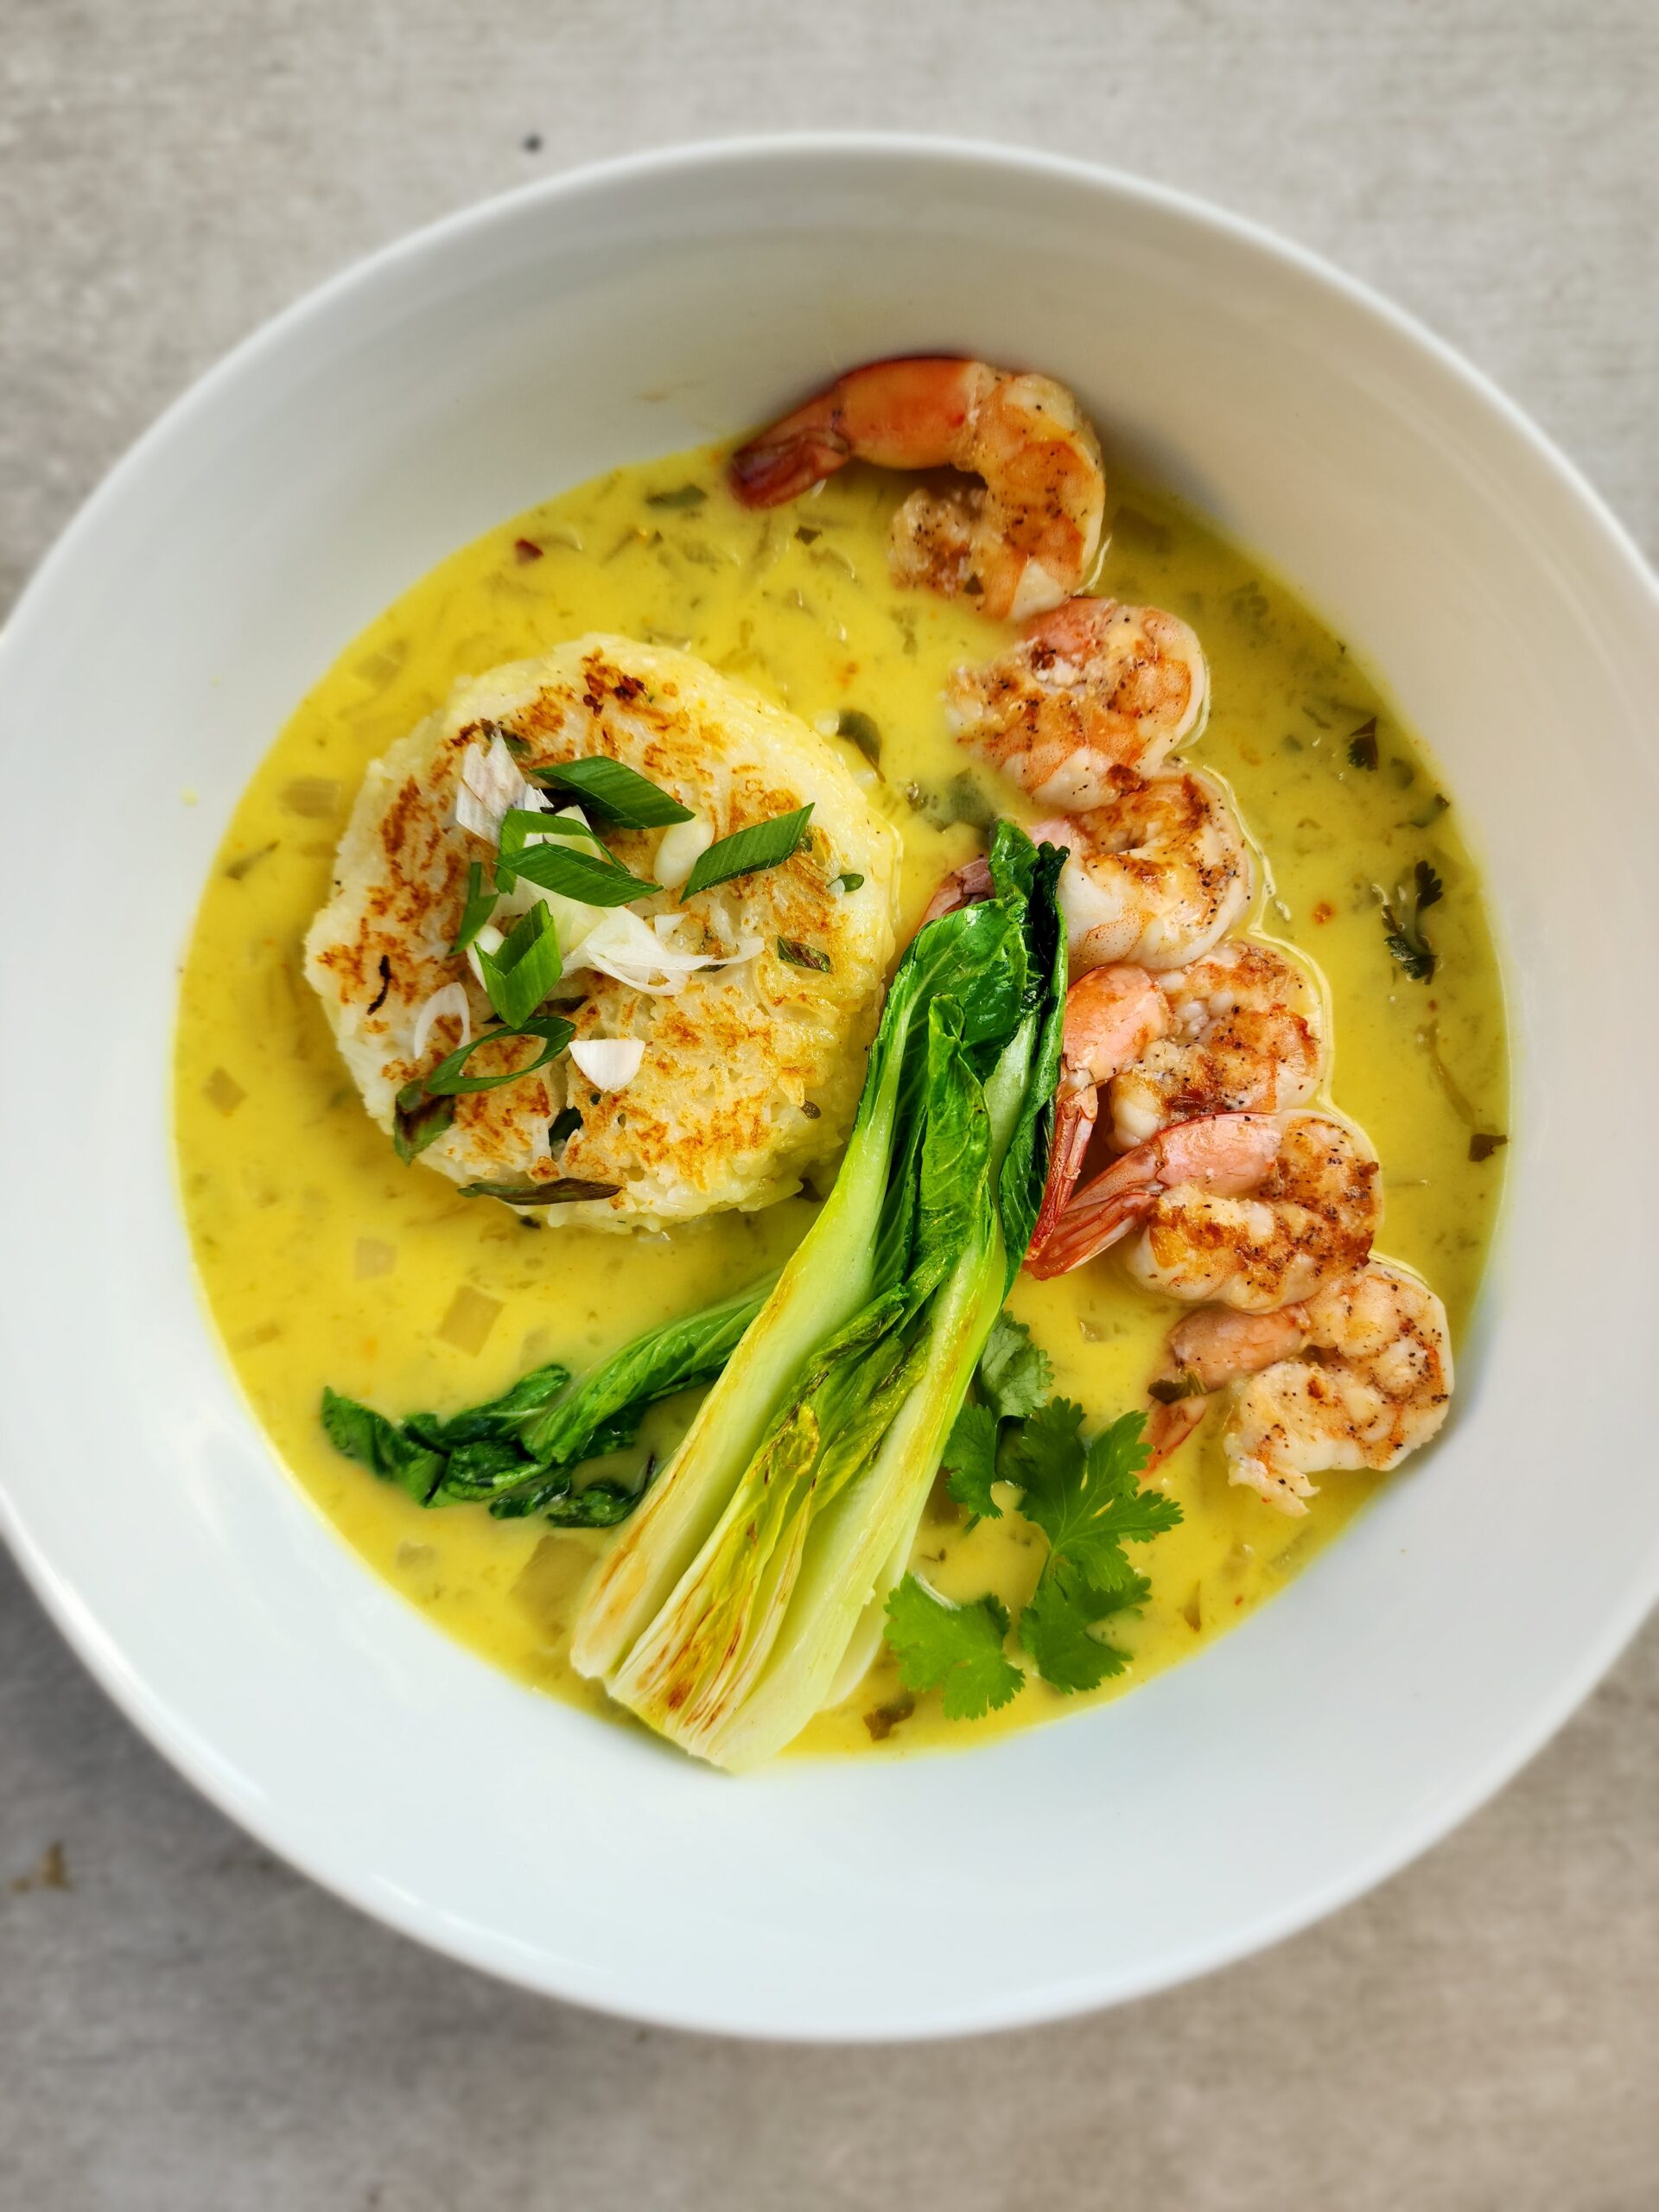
{"type": "Point", "coordinates": [150, 1713]}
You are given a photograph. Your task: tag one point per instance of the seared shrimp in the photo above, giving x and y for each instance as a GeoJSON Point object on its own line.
{"type": "Point", "coordinates": [1253, 1209]}
{"type": "Point", "coordinates": [1245, 1035]}
{"type": "Point", "coordinates": [1112, 1014]}
{"type": "Point", "coordinates": [1156, 877]}
{"type": "Point", "coordinates": [1090, 687]}
{"type": "Point", "coordinates": [1357, 1375]}
{"type": "Point", "coordinates": [1240, 1031]}
{"type": "Point", "coordinates": [1022, 539]}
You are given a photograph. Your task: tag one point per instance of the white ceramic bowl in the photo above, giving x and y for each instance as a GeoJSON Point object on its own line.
{"type": "Point", "coordinates": [439, 388]}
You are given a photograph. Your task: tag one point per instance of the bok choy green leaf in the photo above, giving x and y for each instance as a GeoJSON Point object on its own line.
{"type": "Point", "coordinates": [750, 1589]}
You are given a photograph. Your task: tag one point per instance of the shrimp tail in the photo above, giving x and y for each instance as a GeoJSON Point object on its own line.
{"type": "Point", "coordinates": [1226, 1154]}
{"type": "Point", "coordinates": [1075, 1109]}
{"type": "Point", "coordinates": [1204, 1352]}
{"type": "Point", "coordinates": [1099, 1214]}
{"type": "Point", "coordinates": [1170, 1421]}
{"type": "Point", "coordinates": [791, 456]}
{"type": "Point", "coordinates": [964, 888]}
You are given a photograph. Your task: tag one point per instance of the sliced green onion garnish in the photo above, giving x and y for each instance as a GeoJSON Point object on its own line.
{"type": "Point", "coordinates": [446, 1080]}
{"type": "Point", "coordinates": [564, 1125]}
{"type": "Point", "coordinates": [519, 975]}
{"type": "Point", "coordinates": [763, 844]}
{"type": "Point", "coordinates": [619, 790]}
{"type": "Point", "coordinates": [520, 823]}
{"type": "Point", "coordinates": [481, 904]}
{"type": "Point", "coordinates": [576, 874]}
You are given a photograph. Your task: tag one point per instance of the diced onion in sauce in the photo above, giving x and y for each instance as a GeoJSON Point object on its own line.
{"type": "Point", "coordinates": [316, 798]}
{"type": "Point", "coordinates": [222, 1089]}
{"type": "Point", "coordinates": [469, 1319]}
{"type": "Point", "coordinates": [374, 1256]}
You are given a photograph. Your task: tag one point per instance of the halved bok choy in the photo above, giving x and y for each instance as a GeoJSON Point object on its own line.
{"type": "Point", "coordinates": [748, 1591]}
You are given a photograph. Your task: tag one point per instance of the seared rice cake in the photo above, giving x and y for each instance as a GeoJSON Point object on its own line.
{"type": "Point", "coordinates": [750, 1073]}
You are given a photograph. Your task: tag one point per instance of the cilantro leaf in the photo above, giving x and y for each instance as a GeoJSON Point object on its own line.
{"type": "Point", "coordinates": [1403, 928]}
{"type": "Point", "coordinates": [970, 1460]}
{"type": "Point", "coordinates": [957, 1649]}
{"type": "Point", "coordinates": [1014, 1378]}
{"type": "Point", "coordinates": [1046, 1455]}
{"type": "Point", "coordinates": [1015, 1374]}
{"type": "Point", "coordinates": [1088, 1503]}
{"type": "Point", "coordinates": [1055, 1626]}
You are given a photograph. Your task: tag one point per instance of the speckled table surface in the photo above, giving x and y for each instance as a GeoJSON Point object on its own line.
{"type": "Point", "coordinates": [183, 2023]}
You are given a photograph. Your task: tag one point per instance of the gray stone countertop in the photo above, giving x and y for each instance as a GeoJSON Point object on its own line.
{"type": "Point", "coordinates": [183, 2023]}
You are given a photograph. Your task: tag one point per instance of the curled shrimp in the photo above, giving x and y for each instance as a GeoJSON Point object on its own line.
{"type": "Point", "coordinates": [1253, 1209]}
{"type": "Point", "coordinates": [1112, 1014]}
{"type": "Point", "coordinates": [1022, 539]}
{"type": "Point", "coordinates": [1244, 1033]}
{"type": "Point", "coordinates": [1357, 1375]}
{"type": "Point", "coordinates": [1156, 877]}
{"type": "Point", "coordinates": [1240, 1031]}
{"type": "Point", "coordinates": [1090, 687]}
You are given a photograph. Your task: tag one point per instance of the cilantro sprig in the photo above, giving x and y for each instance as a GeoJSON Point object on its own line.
{"type": "Point", "coordinates": [1012, 1379]}
{"type": "Point", "coordinates": [956, 1649]}
{"type": "Point", "coordinates": [1086, 1498]}
{"type": "Point", "coordinates": [1088, 1502]}
{"type": "Point", "coordinates": [1402, 927]}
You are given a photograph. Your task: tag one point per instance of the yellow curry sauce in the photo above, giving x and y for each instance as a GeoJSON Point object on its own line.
{"type": "Point", "coordinates": [324, 1260]}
